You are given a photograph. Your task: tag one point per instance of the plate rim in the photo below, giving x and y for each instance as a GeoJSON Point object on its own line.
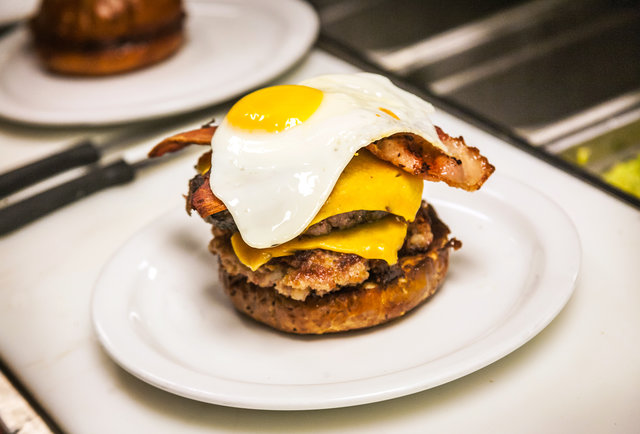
{"type": "Point", "coordinates": [322, 395]}
{"type": "Point", "coordinates": [301, 19]}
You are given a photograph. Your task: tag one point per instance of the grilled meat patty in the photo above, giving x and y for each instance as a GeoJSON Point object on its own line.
{"type": "Point", "coordinates": [388, 293]}
{"type": "Point", "coordinates": [223, 221]}
{"type": "Point", "coordinates": [318, 272]}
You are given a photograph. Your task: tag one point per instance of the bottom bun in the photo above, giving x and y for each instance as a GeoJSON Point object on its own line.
{"type": "Point", "coordinates": [112, 60]}
{"type": "Point", "coordinates": [351, 308]}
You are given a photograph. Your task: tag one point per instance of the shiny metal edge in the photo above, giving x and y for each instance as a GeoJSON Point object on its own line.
{"type": "Point", "coordinates": [17, 414]}
{"type": "Point", "coordinates": [464, 38]}
{"type": "Point", "coordinates": [340, 50]}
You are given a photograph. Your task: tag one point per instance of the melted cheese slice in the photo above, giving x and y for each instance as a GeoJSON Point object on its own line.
{"type": "Point", "coordinates": [367, 183]}
{"type": "Point", "coordinates": [375, 240]}
{"type": "Point", "coordinates": [370, 184]}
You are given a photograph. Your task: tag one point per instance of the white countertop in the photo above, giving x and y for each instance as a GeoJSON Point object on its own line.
{"type": "Point", "coordinates": [580, 374]}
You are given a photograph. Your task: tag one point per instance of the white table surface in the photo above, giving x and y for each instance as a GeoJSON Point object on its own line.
{"type": "Point", "coordinates": [580, 374]}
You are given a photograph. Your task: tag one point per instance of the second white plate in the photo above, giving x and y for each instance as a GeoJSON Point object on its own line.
{"type": "Point", "coordinates": [232, 46]}
{"type": "Point", "coordinates": [159, 311]}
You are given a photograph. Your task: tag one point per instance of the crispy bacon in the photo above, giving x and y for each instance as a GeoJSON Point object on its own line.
{"type": "Point", "coordinates": [201, 198]}
{"type": "Point", "coordinates": [460, 166]}
{"type": "Point", "coordinates": [201, 136]}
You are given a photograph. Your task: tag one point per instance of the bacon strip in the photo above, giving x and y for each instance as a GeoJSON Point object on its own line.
{"type": "Point", "coordinates": [201, 136]}
{"type": "Point", "coordinates": [201, 198]}
{"type": "Point", "coordinates": [460, 166]}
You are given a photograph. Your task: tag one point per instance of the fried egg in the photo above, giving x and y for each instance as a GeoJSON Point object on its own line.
{"type": "Point", "coordinates": [280, 150]}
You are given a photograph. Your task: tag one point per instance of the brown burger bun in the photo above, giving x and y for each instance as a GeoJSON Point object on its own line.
{"type": "Point", "coordinates": [113, 60]}
{"type": "Point", "coordinates": [100, 37]}
{"type": "Point", "coordinates": [352, 308]}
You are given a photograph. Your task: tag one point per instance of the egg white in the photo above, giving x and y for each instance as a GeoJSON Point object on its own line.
{"type": "Point", "coordinates": [275, 183]}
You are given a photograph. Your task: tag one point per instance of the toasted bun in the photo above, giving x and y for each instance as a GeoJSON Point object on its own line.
{"type": "Point", "coordinates": [100, 37]}
{"type": "Point", "coordinates": [352, 308]}
{"type": "Point", "coordinates": [112, 60]}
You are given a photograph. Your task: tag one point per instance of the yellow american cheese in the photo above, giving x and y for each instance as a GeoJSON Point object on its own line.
{"type": "Point", "coordinates": [367, 183]}
{"type": "Point", "coordinates": [376, 240]}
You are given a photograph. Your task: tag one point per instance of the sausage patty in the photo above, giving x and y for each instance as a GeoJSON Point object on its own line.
{"type": "Point", "coordinates": [317, 271]}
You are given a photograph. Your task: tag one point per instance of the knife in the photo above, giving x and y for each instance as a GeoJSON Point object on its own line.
{"type": "Point", "coordinates": [84, 152]}
{"type": "Point", "coordinates": [120, 172]}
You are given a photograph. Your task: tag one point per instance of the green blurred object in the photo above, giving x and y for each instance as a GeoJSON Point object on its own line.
{"type": "Point", "coordinates": [602, 151]}
{"type": "Point", "coordinates": [612, 156]}
{"type": "Point", "coordinates": [583, 154]}
{"type": "Point", "coordinates": [625, 175]}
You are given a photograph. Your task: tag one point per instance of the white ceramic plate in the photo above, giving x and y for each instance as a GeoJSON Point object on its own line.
{"type": "Point", "coordinates": [160, 313]}
{"type": "Point", "coordinates": [232, 46]}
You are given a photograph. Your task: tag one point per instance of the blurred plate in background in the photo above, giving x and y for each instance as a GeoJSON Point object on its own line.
{"type": "Point", "coordinates": [232, 46]}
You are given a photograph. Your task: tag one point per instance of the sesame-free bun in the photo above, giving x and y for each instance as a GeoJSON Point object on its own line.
{"type": "Point", "coordinates": [103, 37]}
{"type": "Point", "coordinates": [351, 308]}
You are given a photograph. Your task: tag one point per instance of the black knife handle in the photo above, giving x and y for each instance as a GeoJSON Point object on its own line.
{"type": "Point", "coordinates": [83, 153]}
{"type": "Point", "coordinates": [19, 214]}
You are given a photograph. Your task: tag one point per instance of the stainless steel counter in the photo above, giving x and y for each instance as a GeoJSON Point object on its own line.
{"type": "Point", "coordinates": [550, 75]}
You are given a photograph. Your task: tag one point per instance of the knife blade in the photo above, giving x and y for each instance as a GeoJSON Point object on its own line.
{"type": "Point", "coordinates": [19, 214]}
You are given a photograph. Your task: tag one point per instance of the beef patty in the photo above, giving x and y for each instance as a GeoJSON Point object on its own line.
{"type": "Point", "coordinates": [318, 272]}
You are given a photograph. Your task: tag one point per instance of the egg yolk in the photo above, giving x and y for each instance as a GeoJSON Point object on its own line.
{"type": "Point", "coordinates": [275, 109]}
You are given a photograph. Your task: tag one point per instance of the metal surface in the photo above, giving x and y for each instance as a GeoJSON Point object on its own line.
{"type": "Point", "coordinates": [546, 74]}
{"type": "Point", "coordinates": [17, 413]}
{"type": "Point", "coordinates": [602, 151]}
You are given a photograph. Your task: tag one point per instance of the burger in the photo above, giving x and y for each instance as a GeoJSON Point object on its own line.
{"type": "Point", "coordinates": [102, 37]}
{"type": "Point", "coordinates": [314, 194]}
